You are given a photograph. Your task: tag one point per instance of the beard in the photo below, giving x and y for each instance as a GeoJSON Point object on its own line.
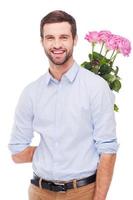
{"type": "Point", "coordinates": [59, 58]}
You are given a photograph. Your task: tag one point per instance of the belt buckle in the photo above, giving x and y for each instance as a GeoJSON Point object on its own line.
{"type": "Point", "coordinates": [63, 186]}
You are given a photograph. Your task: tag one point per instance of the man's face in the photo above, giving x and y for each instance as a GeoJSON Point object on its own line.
{"type": "Point", "coordinates": [58, 42]}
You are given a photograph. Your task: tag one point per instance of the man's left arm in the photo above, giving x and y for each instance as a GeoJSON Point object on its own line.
{"type": "Point", "coordinates": [104, 136]}
{"type": "Point", "coordinates": [104, 175]}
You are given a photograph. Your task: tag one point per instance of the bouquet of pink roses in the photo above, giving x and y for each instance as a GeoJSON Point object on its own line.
{"type": "Point", "coordinates": [102, 62]}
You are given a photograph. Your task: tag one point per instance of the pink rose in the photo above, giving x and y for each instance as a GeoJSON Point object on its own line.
{"type": "Point", "coordinates": [104, 35]}
{"type": "Point", "coordinates": [92, 37]}
{"type": "Point", "coordinates": [113, 42]}
{"type": "Point", "coordinates": [124, 46]}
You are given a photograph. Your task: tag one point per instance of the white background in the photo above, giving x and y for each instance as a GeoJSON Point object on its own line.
{"type": "Point", "coordinates": [22, 60]}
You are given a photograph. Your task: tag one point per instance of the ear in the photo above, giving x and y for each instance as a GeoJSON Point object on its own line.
{"type": "Point", "coordinates": [75, 40]}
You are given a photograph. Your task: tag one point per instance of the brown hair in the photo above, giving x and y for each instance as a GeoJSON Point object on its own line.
{"type": "Point", "coordinates": [58, 16]}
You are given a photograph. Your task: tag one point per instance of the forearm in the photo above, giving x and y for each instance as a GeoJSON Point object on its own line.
{"type": "Point", "coordinates": [24, 156]}
{"type": "Point", "coordinates": [104, 175]}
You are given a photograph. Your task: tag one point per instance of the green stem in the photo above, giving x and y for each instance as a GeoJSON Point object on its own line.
{"type": "Point", "coordinates": [106, 52]}
{"type": "Point", "coordinates": [113, 59]}
{"type": "Point", "coordinates": [103, 58]}
{"type": "Point", "coordinates": [93, 45]}
{"type": "Point", "coordinates": [112, 55]}
{"type": "Point", "coordinates": [101, 48]}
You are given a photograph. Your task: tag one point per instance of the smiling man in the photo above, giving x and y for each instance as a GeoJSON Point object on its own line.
{"type": "Point", "coordinates": [58, 43]}
{"type": "Point", "coordinates": [72, 110]}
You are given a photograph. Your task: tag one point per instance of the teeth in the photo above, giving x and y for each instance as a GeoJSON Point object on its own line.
{"type": "Point", "coordinates": [58, 52]}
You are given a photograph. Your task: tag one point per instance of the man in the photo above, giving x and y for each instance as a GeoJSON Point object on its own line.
{"type": "Point", "coordinates": [72, 110]}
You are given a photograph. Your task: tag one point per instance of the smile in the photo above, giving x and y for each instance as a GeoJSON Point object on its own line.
{"type": "Point", "coordinates": [57, 52]}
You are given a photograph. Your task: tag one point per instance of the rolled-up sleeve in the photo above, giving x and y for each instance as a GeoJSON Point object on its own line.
{"type": "Point", "coordinates": [104, 124]}
{"type": "Point", "coordinates": [22, 131]}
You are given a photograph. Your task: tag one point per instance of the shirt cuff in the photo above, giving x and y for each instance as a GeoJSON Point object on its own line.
{"type": "Point", "coordinates": [16, 148]}
{"type": "Point", "coordinates": [110, 147]}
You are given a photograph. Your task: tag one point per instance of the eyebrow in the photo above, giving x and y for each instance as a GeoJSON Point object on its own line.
{"type": "Point", "coordinates": [47, 36]}
{"type": "Point", "coordinates": [62, 35]}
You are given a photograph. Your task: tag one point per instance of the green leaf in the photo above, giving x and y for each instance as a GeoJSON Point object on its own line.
{"type": "Point", "coordinates": [116, 108]}
{"type": "Point", "coordinates": [105, 69]}
{"type": "Point", "coordinates": [102, 59]}
{"type": "Point", "coordinates": [116, 71]}
{"type": "Point", "coordinates": [97, 56]}
{"type": "Point", "coordinates": [109, 77]}
{"type": "Point", "coordinates": [90, 56]}
{"type": "Point", "coordinates": [95, 69]}
{"type": "Point", "coordinates": [86, 65]}
{"type": "Point", "coordinates": [116, 85]}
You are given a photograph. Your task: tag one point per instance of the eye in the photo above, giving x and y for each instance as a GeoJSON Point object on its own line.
{"type": "Point", "coordinates": [64, 37]}
{"type": "Point", "coordinates": [49, 38]}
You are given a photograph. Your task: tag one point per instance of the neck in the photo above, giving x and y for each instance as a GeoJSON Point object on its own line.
{"type": "Point", "coordinates": [58, 71]}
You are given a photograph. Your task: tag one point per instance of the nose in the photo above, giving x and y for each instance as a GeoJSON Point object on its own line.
{"type": "Point", "coordinates": [57, 43]}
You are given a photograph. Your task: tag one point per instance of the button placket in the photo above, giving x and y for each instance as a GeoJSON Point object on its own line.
{"type": "Point", "coordinates": [57, 126]}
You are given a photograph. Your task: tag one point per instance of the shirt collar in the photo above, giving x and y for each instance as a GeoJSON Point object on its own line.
{"type": "Point", "coordinates": [70, 74]}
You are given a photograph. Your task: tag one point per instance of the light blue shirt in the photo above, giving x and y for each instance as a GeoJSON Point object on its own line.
{"type": "Point", "coordinates": [75, 120]}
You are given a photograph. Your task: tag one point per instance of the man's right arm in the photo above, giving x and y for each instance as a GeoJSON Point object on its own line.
{"type": "Point", "coordinates": [22, 131]}
{"type": "Point", "coordinates": [24, 156]}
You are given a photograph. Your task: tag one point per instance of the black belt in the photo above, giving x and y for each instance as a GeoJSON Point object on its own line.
{"type": "Point", "coordinates": [62, 186]}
